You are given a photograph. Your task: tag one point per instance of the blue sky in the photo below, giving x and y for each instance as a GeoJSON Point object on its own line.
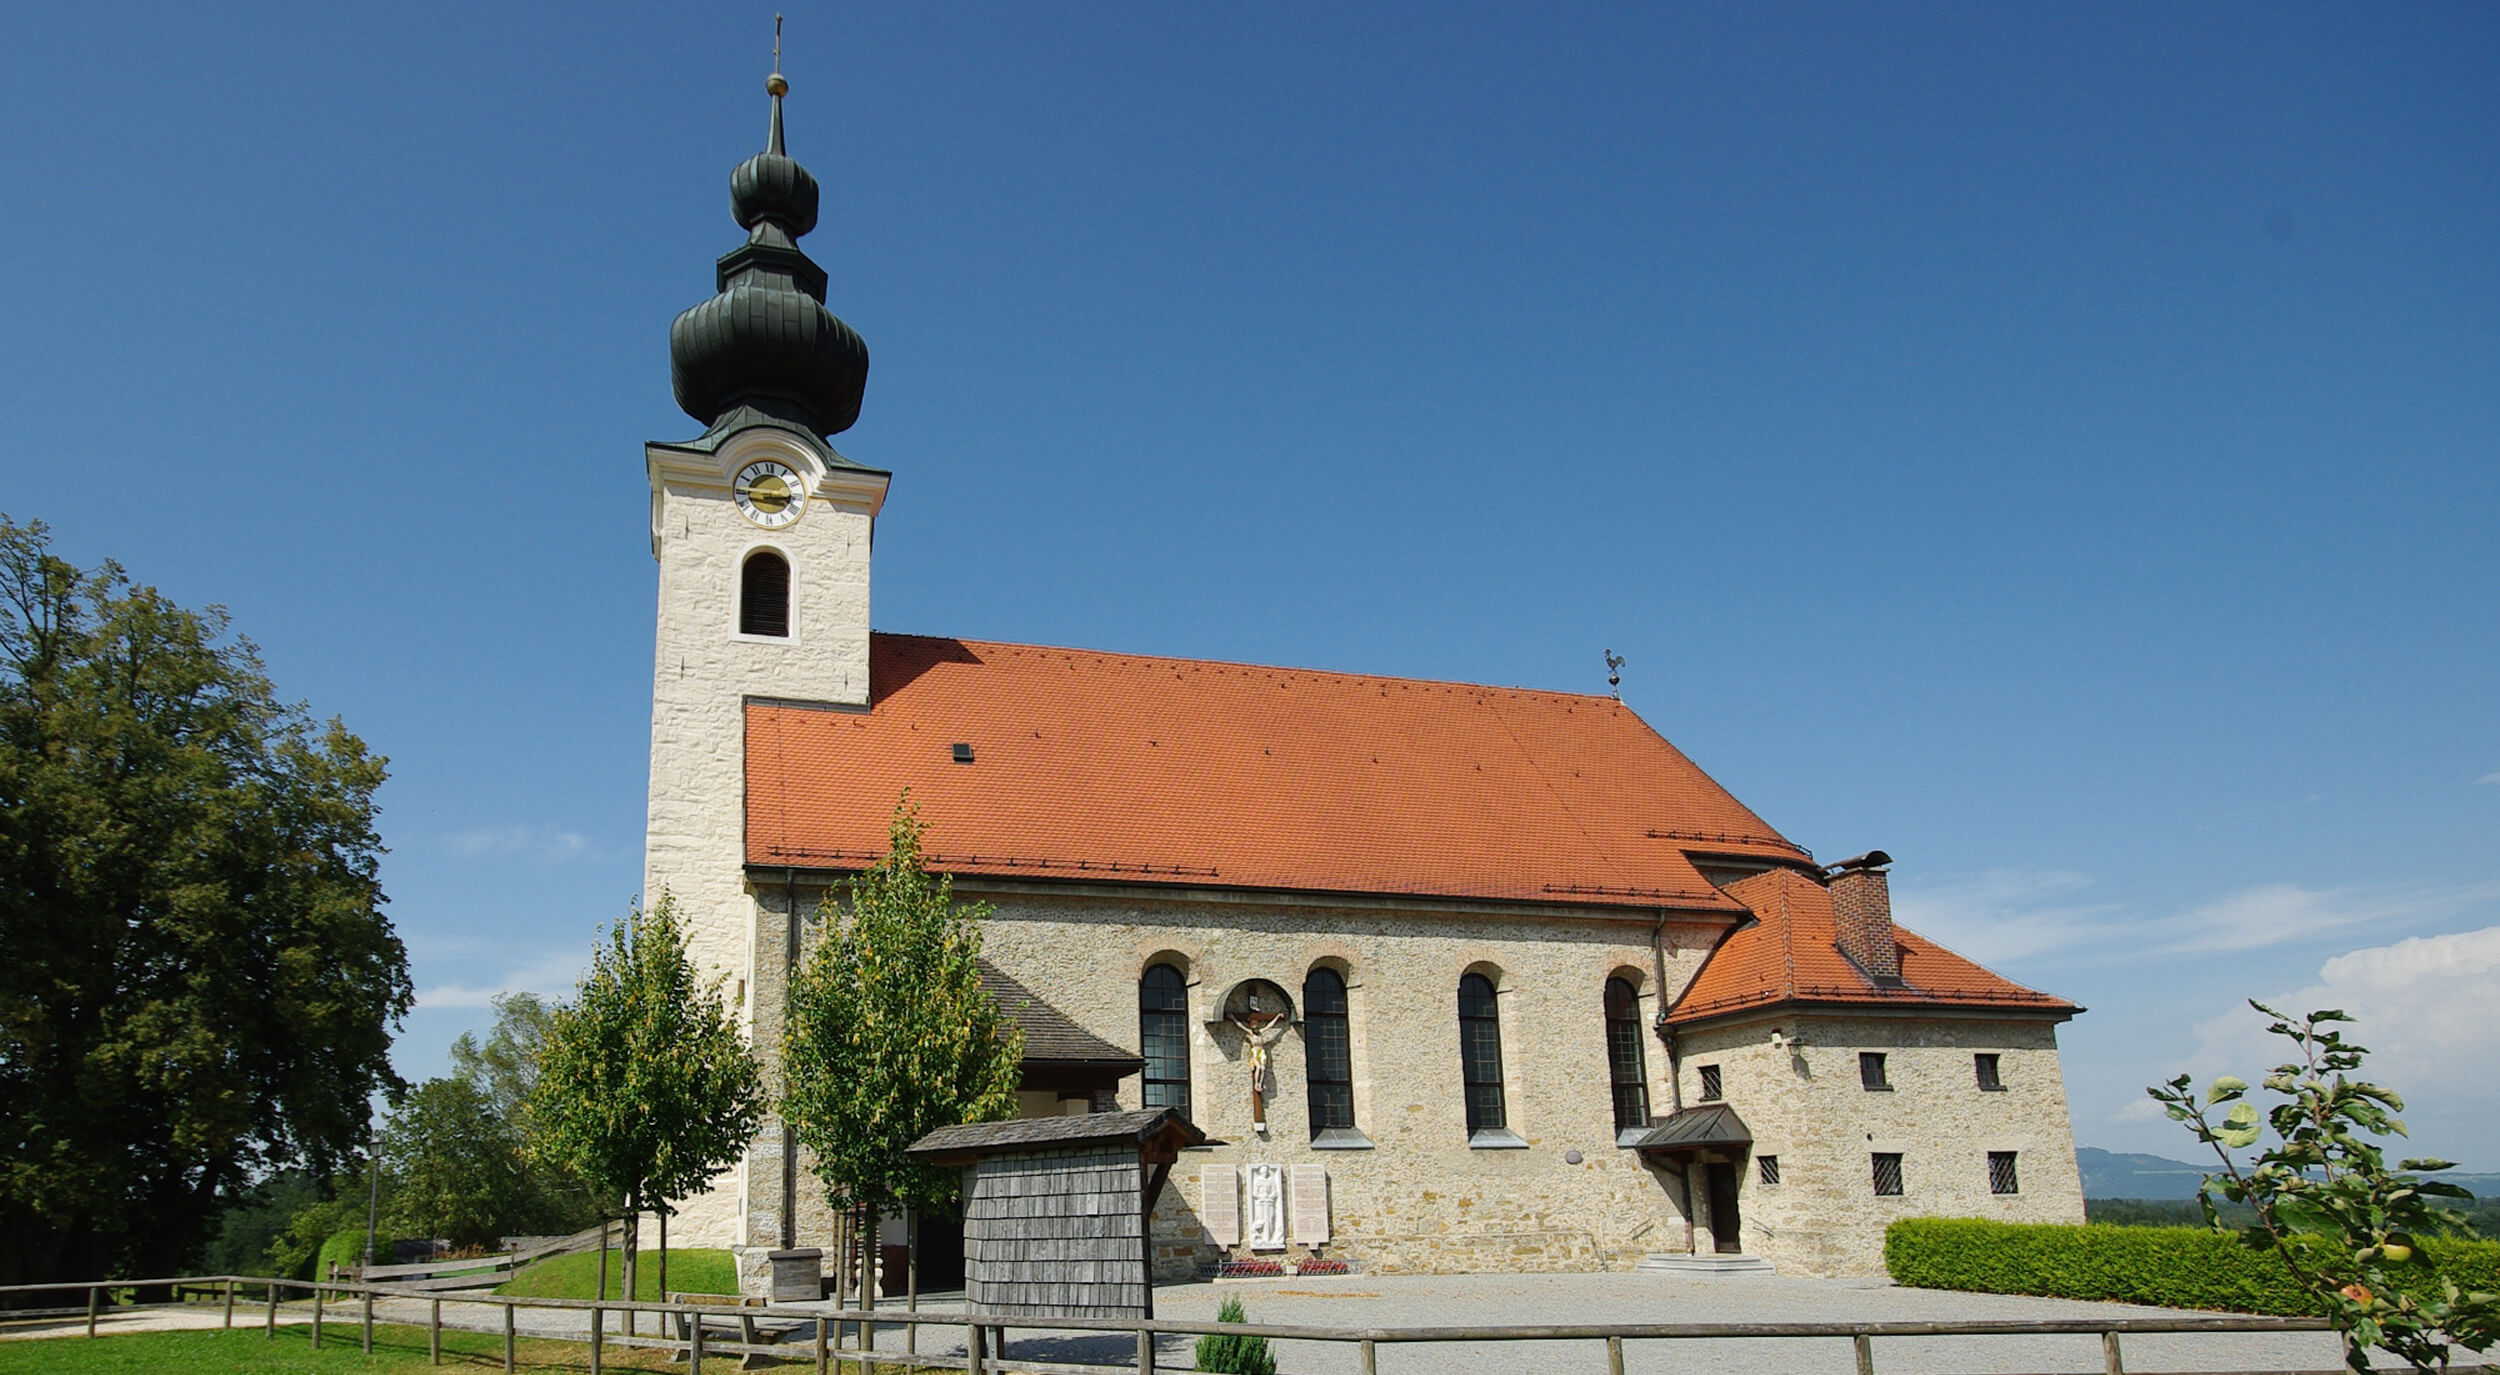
{"type": "Point", "coordinates": [2054, 446]}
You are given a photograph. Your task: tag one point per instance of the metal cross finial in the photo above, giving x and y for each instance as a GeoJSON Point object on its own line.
{"type": "Point", "coordinates": [776, 45]}
{"type": "Point", "coordinates": [1614, 674]}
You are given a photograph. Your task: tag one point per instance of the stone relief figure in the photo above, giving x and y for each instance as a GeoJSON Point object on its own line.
{"type": "Point", "coordinates": [1266, 1231]}
{"type": "Point", "coordinates": [1259, 1011]}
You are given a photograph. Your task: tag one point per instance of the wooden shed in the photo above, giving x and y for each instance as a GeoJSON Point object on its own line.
{"type": "Point", "coordinates": [1055, 1209]}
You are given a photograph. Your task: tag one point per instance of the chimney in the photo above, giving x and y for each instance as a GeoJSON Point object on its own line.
{"type": "Point", "coordinates": [1862, 908]}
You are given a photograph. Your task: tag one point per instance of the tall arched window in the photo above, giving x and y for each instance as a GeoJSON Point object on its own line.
{"type": "Point", "coordinates": [1624, 1059]}
{"type": "Point", "coordinates": [1163, 1036]}
{"type": "Point", "coordinates": [1327, 1049]}
{"type": "Point", "coordinates": [764, 595]}
{"type": "Point", "coordinates": [1480, 1053]}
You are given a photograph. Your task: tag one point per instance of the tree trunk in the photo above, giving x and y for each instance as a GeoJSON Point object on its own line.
{"type": "Point", "coordinates": [633, 1235]}
{"type": "Point", "coordinates": [664, 1250]}
{"type": "Point", "coordinates": [868, 1250]}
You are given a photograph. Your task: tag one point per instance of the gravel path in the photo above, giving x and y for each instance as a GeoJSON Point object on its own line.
{"type": "Point", "coordinates": [1479, 1300]}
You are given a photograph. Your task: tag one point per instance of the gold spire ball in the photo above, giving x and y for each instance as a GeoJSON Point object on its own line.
{"type": "Point", "coordinates": [775, 85]}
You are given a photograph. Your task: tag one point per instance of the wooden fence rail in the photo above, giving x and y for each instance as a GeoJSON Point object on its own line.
{"type": "Point", "coordinates": [851, 1334]}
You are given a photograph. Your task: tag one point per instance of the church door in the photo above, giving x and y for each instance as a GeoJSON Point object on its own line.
{"type": "Point", "coordinates": [1723, 1220]}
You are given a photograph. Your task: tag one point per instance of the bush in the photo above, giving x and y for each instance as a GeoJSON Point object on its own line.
{"type": "Point", "coordinates": [2171, 1267]}
{"type": "Point", "coordinates": [1235, 1355]}
{"type": "Point", "coordinates": [345, 1248]}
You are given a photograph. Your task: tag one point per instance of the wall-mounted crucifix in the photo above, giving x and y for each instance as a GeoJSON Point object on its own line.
{"type": "Point", "coordinates": [1261, 1012]}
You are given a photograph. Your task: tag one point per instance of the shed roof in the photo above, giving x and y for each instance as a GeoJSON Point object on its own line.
{"type": "Point", "coordinates": [1707, 1127]}
{"type": "Point", "coordinates": [1051, 1037]}
{"type": "Point", "coordinates": [1042, 1133]}
{"type": "Point", "coordinates": [1132, 769]}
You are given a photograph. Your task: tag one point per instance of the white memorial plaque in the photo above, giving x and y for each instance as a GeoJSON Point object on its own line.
{"type": "Point", "coordinates": [1219, 1203]}
{"type": "Point", "coordinates": [1267, 1208]}
{"type": "Point", "coordinates": [1310, 1205]}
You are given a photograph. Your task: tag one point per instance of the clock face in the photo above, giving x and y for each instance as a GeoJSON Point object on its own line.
{"type": "Point", "coordinates": [771, 494]}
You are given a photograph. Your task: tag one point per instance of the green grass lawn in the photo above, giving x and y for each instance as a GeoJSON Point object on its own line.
{"type": "Point", "coordinates": [577, 1276]}
{"type": "Point", "coordinates": [241, 1352]}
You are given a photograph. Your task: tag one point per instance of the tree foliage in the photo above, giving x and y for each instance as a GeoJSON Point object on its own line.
{"type": "Point", "coordinates": [455, 1167]}
{"type": "Point", "coordinates": [200, 983]}
{"type": "Point", "coordinates": [2345, 1225]}
{"type": "Point", "coordinates": [891, 1035]}
{"type": "Point", "coordinates": [645, 1088]}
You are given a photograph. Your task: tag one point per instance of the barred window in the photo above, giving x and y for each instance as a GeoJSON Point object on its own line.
{"type": "Point", "coordinates": [1625, 1061]}
{"type": "Point", "coordinates": [1768, 1166]}
{"type": "Point", "coordinates": [1480, 1053]}
{"type": "Point", "coordinates": [1327, 1049]}
{"type": "Point", "coordinates": [2001, 1176]}
{"type": "Point", "coordinates": [1710, 1083]}
{"type": "Point", "coordinates": [1986, 1065]}
{"type": "Point", "coordinates": [1163, 1037]}
{"type": "Point", "coordinates": [764, 595]}
{"type": "Point", "coordinates": [1871, 1070]}
{"type": "Point", "coordinates": [1887, 1173]}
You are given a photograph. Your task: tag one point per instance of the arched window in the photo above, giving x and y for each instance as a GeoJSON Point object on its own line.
{"type": "Point", "coordinates": [1328, 1050]}
{"type": "Point", "coordinates": [764, 595]}
{"type": "Point", "coordinates": [1163, 1036]}
{"type": "Point", "coordinates": [1624, 1060]}
{"type": "Point", "coordinates": [1480, 1053]}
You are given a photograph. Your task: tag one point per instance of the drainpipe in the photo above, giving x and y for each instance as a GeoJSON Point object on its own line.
{"type": "Point", "coordinates": [789, 1139]}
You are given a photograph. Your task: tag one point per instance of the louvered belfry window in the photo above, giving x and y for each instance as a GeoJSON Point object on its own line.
{"type": "Point", "coordinates": [764, 595]}
{"type": "Point", "coordinates": [1625, 1062]}
{"type": "Point", "coordinates": [1328, 1050]}
{"type": "Point", "coordinates": [1480, 1053]}
{"type": "Point", "coordinates": [1163, 1037]}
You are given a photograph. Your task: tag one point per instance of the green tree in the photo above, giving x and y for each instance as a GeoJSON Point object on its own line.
{"type": "Point", "coordinates": [644, 1087]}
{"type": "Point", "coordinates": [454, 1166]}
{"type": "Point", "coordinates": [891, 1035]}
{"type": "Point", "coordinates": [505, 1069]}
{"type": "Point", "coordinates": [2325, 1201]}
{"type": "Point", "coordinates": [199, 984]}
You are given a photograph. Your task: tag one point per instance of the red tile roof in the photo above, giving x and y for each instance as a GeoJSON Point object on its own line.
{"type": "Point", "coordinates": [1791, 953]}
{"type": "Point", "coordinates": [1125, 768]}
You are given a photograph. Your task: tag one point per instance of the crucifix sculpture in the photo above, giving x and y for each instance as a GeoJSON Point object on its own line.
{"type": "Point", "coordinates": [1262, 1021]}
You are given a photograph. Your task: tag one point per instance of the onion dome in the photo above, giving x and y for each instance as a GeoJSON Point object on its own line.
{"type": "Point", "coordinates": [766, 340]}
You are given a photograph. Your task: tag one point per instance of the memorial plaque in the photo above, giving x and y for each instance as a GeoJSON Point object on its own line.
{"type": "Point", "coordinates": [1310, 1205]}
{"type": "Point", "coordinates": [1219, 1203]}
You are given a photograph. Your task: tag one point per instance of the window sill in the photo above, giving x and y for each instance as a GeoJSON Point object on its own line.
{"type": "Point", "coordinates": [1341, 1139]}
{"type": "Point", "coordinates": [1496, 1139]}
{"type": "Point", "coordinates": [1992, 1088]}
{"type": "Point", "coordinates": [1877, 1088]}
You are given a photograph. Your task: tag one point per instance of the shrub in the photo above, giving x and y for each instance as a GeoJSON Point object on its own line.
{"type": "Point", "coordinates": [1235, 1355]}
{"type": "Point", "coordinates": [2171, 1267]}
{"type": "Point", "coordinates": [345, 1249]}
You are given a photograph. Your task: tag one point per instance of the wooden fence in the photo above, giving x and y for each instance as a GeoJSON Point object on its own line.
{"type": "Point", "coordinates": [816, 1334]}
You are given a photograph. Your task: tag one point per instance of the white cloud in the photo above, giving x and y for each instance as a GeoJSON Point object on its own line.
{"type": "Point", "coordinates": [2491, 778]}
{"type": "Point", "coordinates": [2005, 915]}
{"type": "Point", "coordinates": [2277, 913]}
{"type": "Point", "coordinates": [2423, 1009]}
{"type": "Point", "coordinates": [552, 974]}
{"type": "Point", "coordinates": [543, 844]}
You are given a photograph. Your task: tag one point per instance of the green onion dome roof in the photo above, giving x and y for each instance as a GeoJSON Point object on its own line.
{"type": "Point", "coordinates": [767, 340]}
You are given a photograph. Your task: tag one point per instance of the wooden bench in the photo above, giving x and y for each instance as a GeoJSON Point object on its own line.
{"type": "Point", "coordinates": [733, 1323]}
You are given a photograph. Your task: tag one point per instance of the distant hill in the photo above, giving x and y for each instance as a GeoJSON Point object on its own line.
{"type": "Point", "coordinates": [2123, 1174]}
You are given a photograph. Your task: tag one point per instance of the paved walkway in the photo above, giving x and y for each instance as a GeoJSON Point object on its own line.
{"type": "Point", "coordinates": [1481, 1300]}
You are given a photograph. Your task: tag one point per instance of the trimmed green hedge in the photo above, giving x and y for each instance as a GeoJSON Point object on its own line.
{"type": "Point", "coordinates": [346, 1248]}
{"type": "Point", "coordinates": [2171, 1267]}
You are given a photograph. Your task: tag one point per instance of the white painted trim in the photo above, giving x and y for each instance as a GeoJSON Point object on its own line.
{"type": "Point", "coordinates": [738, 592]}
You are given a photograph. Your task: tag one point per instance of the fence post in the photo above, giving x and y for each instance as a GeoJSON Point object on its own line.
{"type": "Point", "coordinates": [974, 1342]}
{"type": "Point", "coordinates": [2111, 1362]}
{"type": "Point", "coordinates": [1614, 1356]}
{"type": "Point", "coordinates": [368, 1322]}
{"type": "Point", "coordinates": [95, 1298]}
{"type": "Point", "coordinates": [272, 1331]}
{"type": "Point", "coordinates": [598, 1335]}
{"type": "Point", "coordinates": [694, 1342]}
{"type": "Point", "coordinates": [1866, 1353]}
{"type": "Point", "coordinates": [1370, 1358]}
{"type": "Point", "coordinates": [434, 1332]}
{"type": "Point", "coordinates": [317, 1296]}
{"type": "Point", "coordinates": [1145, 1352]}
{"type": "Point", "coordinates": [229, 1302]}
{"type": "Point", "coordinates": [507, 1334]}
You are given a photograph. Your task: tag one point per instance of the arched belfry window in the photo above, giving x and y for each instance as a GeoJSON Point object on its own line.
{"type": "Point", "coordinates": [1480, 1054]}
{"type": "Point", "coordinates": [1625, 1062]}
{"type": "Point", "coordinates": [1327, 1051]}
{"type": "Point", "coordinates": [764, 595]}
{"type": "Point", "coordinates": [1163, 1036]}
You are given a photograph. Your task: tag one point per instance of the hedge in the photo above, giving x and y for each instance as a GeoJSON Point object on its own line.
{"type": "Point", "coordinates": [346, 1247]}
{"type": "Point", "coordinates": [2169, 1267]}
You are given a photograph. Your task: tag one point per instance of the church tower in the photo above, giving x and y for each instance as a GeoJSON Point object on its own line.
{"type": "Point", "coordinates": [762, 531]}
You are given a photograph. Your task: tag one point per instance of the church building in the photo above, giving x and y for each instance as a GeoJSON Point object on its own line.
{"type": "Point", "coordinates": [1454, 978]}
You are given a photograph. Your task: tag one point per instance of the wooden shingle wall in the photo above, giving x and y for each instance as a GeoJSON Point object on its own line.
{"type": "Point", "coordinates": [1056, 1233]}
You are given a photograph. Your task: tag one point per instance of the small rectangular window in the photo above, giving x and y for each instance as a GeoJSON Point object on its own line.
{"type": "Point", "coordinates": [2001, 1176]}
{"type": "Point", "coordinates": [1769, 1168]}
{"type": "Point", "coordinates": [1710, 1083]}
{"type": "Point", "coordinates": [1988, 1080]}
{"type": "Point", "coordinates": [1888, 1174]}
{"type": "Point", "coordinates": [1871, 1070]}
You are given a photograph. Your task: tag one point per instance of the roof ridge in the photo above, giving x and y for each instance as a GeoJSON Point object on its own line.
{"type": "Point", "coordinates": [1347, 674]}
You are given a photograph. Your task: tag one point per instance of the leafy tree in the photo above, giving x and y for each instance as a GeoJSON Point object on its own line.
{"type": "Point", "coordinates": [455, 1167]}
{"type": "Point", "coordinates": [297, 1246]}
{"type": "Point", "coordinates": [200, 984]}
{"type": "Point", "coordinates": [644, 1086]}
{"type": "Point", "coordinates": [505, 1069]}
{"type": "Point", "coordinates": [2325, 1201]}
{"type": "Point", "coordinates": [254, 1217]}
{"type": "Point", "coordinates": [891, 1036]}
